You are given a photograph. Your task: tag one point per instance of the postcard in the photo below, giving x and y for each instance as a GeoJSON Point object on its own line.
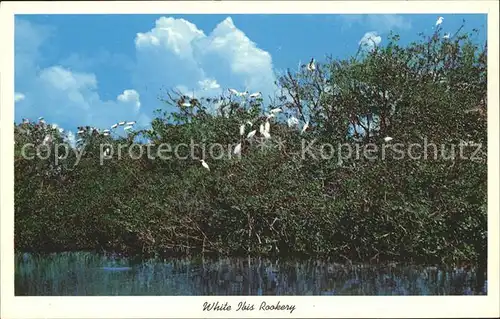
{"type": "Point", "coordinates": [249, 158]}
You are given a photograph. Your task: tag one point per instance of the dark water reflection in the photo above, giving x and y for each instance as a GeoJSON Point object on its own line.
{"type": "Point", "coordinates": [89, 274]}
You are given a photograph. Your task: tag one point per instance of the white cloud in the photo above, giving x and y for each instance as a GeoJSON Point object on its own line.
{"type": "Point", "coordinates": [130, 96]}
{"type": "Point", "coordinates": [370, 40]}
{"type": "Point", "coordinates": [173, 54]}
{"type": "Point", "coordinates": [18, 97]}
{"type": "Point", "coordinates": [71, 99]}
{"type": "Point", "coordinates": [176, 54]}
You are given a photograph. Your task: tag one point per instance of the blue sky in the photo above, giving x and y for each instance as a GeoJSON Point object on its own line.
{"type": "Point", "coordinates": [100, 69]}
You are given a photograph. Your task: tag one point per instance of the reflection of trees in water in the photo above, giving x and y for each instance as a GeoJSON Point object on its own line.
{"type": "Point", "coordinates": [254, 277]}
{"type": "Point", "coordinates": [236, 277]}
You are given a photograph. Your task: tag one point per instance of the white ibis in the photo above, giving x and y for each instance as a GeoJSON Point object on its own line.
{"type": "Point", "coordinates": [439, 21]}
{"type": "Point", "coordinates": [304, 128]}
{"type": "Point", "coordinates": [237, 149]}
{"type": "Point", "coordinates": [204, 164]}
{"type": "Point", "coordinates": [255, 95]}
{"type": "Point", "coordinates": [47, 139]}
{"type": "Point", "coordinates": [311, 66]}
{"type": "Point", "coordinates": [251, 134]}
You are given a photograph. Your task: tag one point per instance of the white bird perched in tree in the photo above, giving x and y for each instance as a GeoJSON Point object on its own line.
{"type": "Point", "coordinates": [128, 127]}
{"type": "Point", "coordinates": [439, 21]}
{"type": "Point", "coordinates": [446, 36]}
{"type": "Point", "coordinates": [251, 134]}
{"type": "Point", "coordinates": [106, 151]}
{"type": "Point", "coordinates": [304, 128]}
{"type": "Point", "coordinates": [26, 121]}
{"type": "Point", "coordinates": [388, 139]}
{"type": "Point", "coordinates": [131, 123]}
{"type": "Point", "coordinates": [242, 129]}
{"type": "Point", "coordinates": [105, 134]}
{"type": "Point", "coordinates": [204, 164]}
{"type": "Point", "coordinates": [311, 66]}
{"type": "Point", "coordinates": [79, 140]}
{"type": "Point", "coordinates": [267, 126]}
{"type": "Point", "coordinates": [121, 123]}
{"type": "Point", "coordinates": [80, 132]}
{"type": "Point", "coordinates": [261, 129]}
{"type": "Point", "coordinates": [233, 91]}
{"type": "Point", "coordinates": [114, 126]}
{"type": "Point", "coordinates": [293, 121]}
{"type": "Point", "coordinates": [41, 118]}
{"type": "Point", "coordinates": [275, 111]}
{"type": "Point", "coordinates": [255, 95]}
{"type": "Point", "coordinates": [105, 131]}
{"type": "Point", "coordinates": [47, 139]}
{"type": "Point", "coordinates": [186, 104]}
{"type": "Point", "coordinates": [237, 149]}
{"type": "Point", "coordinates": [266, 135]}
{"type": "Point", "coordinates": [243, 93]}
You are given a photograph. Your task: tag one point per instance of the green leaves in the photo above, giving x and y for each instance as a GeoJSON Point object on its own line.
{"type": "Point", "coordinates": [271, 200]}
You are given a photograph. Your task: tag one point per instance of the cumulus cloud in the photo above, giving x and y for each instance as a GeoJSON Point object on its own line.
{"type": "Point", "coordinates": [60, 95]}
{"type": "Point", "coordinates": [370, 40]}
{"type": "Point", "coordinates": [176, 54]}
{"type": "Point", "coordinates": [173, 54]}
{"type": "Point", "coordinates": [130, 96]}
{"type": "Point", "coordinates": [18, 97]}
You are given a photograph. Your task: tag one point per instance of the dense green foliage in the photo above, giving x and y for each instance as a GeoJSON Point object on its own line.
{"type": "Point", "coordinates": [271, 200]}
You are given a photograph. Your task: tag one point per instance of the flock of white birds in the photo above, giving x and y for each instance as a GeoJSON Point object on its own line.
{"type": "Point", "coordinates": [127, 126]}
{"type": "Point", "coordinates": [264, 129]}
{"type": "Point", "coordinates": [82, 131]}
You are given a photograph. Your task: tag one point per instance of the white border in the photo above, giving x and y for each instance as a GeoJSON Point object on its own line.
{"type": "Point", "coordinates": [190, 307]}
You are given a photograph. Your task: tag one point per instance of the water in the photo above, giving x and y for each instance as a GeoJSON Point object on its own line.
{"type": "Point", "coordinates": [87, 274]}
